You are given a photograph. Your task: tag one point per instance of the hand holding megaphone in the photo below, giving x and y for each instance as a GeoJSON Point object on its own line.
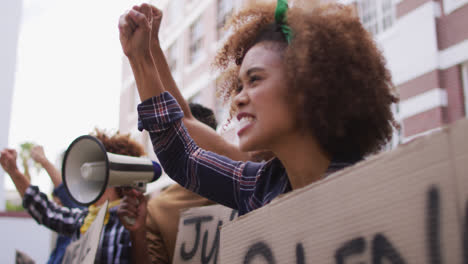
{"type": "Point", "coordinates": [132, 210]}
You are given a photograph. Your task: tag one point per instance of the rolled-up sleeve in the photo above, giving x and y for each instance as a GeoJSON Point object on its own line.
{"type": "Point", "coordinates": [158, 113]}
{"type": "Point", "coordinates": [61, 219]}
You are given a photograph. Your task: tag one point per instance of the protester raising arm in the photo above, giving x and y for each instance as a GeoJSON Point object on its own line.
{"type": "Point", "coordinates": [45, 212]}
{"type": "Point", "coordinates": [202, 134]}
{"type": "Point", "coordinates": [8, 161]}
{"type": "Point", "coordinates": [38, 155]}
{"type": "Point", "coordinates": [135, 33]}
{"type": "Point", "coordinates": [211, 175]}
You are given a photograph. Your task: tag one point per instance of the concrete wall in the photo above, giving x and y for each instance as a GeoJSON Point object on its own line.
{"type": "Point", "coordinates": [10, 17]}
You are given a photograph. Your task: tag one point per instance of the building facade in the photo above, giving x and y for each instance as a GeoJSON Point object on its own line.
{"type": "Point", "coordinates": [425, 43]}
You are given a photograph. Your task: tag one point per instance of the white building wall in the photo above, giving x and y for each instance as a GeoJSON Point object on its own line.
{"type": "Point", "coordinates": [452, 5]}
{"type": "Point", "coordinates": [410, 47]}
{"type": "Point", "coordinates": [411, 50]}
{"type": "Point", "coordinates": [10, 16]}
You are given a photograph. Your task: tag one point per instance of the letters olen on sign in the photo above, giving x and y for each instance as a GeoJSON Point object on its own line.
{"type": "Point", "coordinates": [409, 205]}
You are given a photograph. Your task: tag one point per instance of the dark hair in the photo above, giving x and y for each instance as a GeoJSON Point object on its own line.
{"type": "Point", "coordinates": [118, 143]}
{"type": "Point", "coordinates": [337, 80]}
{"type": "Point", "coordinates": [203, 114]}
{"type": "Point", "coordinates": [121, 144]}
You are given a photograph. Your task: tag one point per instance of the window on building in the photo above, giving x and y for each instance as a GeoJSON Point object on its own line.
{"type": "Point", "coordinates": [225, 8]}
{"type": "Point", "coordinates": [376, 15]}
{"type": "Point", "coordinates": [464, 69]}
{"type": "Point", "coordinates": [196, 40]}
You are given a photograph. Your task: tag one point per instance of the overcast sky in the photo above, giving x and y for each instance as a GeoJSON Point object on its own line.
{"type": "Point", "coordinates": [68, 76]}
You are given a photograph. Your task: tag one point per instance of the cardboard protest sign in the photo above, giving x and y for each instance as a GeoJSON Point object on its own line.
{"type": "Point", "coordinates": [404, 206]}
{"type": "Point", "coordinates": [198, 235]}
{"type": "Point", "coordinates": [459, 144]}
{"type": "Point", "coordinates": [84, 250]}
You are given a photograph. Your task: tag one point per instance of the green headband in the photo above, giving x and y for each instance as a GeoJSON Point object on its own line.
{"type": "Point", "coordinates": [280, 18]}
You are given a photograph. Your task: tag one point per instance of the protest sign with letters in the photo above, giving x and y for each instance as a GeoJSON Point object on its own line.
{"type": "Point", "coordinates": [404, 206]}
{"type": "Point", "coordinates": [84, 250]}
{"type": "Point", "coordinates": [198, 235]}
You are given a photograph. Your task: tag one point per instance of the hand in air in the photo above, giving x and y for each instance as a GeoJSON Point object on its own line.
{"type": "Point", "coordinates": [135, 31]}
{"type": "Point", "coordinates": [38, 155]}
{"type": "Point", "coordinates": [133, 205]}
{"type": "Point", "coordinates": [157, 16]}
{"type": "Point", "coordinates": [8, 160]}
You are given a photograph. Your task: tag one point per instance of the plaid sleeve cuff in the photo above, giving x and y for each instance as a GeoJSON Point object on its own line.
{"type": "Point", "coordinates": [29, 195]}
{"type": "Point", "coordinates": [158, 113]}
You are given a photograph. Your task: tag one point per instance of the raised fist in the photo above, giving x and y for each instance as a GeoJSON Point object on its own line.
{"type": "Point", "coordinates": [8, 160]}
{"type": "Point", "coordinates": [157, 16]}
{"type": "Point", "coordinates": [135, 31]}
{"type": "Point", "coordinates": [37, 154]}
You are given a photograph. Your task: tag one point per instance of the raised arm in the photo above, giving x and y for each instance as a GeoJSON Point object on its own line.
{"type": "Point", "coordinates": [8, 161]}
{"type": "Point", "coordinates": [45, 212]}
{"type": "Point", "coordinates": [211, 175]}
{"type": "Point", "coordinates": [61, 219]}
{"type": "Point", "coordinates": [135, 33]}
{"type": "Point", "coordinates": [201, 133]}
{"type": "Point", "coordinates": [38, 155]}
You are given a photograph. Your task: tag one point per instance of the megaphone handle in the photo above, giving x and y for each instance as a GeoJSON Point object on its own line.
{"type": "Point", "coordinates": [131, 220]}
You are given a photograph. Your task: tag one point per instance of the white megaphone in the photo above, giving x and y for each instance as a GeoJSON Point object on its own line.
{"type": "Point", "coordinates": [88, 169]}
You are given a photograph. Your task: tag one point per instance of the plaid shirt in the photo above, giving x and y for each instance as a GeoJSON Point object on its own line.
{"type": "Point", "coordinates": [115, 243]}
{"type": "Point", "coordinates": [244, 186]}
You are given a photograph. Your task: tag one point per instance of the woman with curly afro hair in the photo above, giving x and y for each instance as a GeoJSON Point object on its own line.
{"type": "Point", "coordinates": [308, 84]}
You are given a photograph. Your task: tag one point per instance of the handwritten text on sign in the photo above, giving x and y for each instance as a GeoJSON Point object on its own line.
{"type": "Point", "coordinates": [381, 249]}
{"type": "Point", "coordinates": [400, 207]}
{"type": "Point", "coordinates": [199, 234]}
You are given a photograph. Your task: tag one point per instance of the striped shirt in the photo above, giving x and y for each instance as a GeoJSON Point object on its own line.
{"type": "Point", "coordinates": [244, 186]}
{"type": "Point", "coordinates": [115, 243]}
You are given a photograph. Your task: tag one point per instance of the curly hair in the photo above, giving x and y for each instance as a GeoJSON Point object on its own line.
{"type": "Point", "coordinates": [204, 115]}
{"type": "Point", "coordinates": [118, 143]}
{"type": "Point", "coordinates": [338, 83]}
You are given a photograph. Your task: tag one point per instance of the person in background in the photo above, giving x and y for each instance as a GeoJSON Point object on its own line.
{"type": "Point", "coordinates": [60, 197]}
{"type": "Point", "coordinates": [155, 231]}
{"type": "Point", "coordinates": [309, 85]}
{"type": "Point", "coordinates": [162, 214]}
{"type": "Point", "coordinates": [38, 155]}
{"type": "Point", "coordinates": [115, 243]}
